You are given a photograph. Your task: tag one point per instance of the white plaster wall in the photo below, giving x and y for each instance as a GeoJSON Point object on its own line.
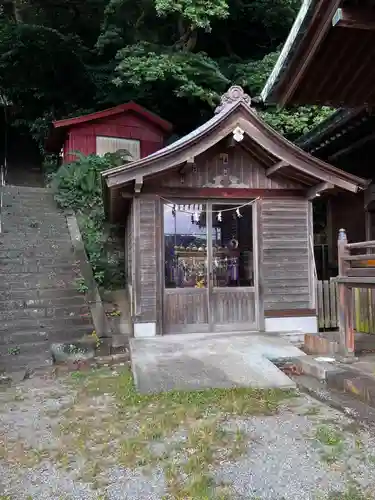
{"type": "Point", "coordinates": [307, 324]}
{"type": "Point", "coordinates": [144, 330]}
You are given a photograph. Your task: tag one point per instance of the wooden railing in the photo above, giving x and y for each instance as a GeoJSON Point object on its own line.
{"type": "Point", "coordinates": [356, 271]}
{"type": "Point", "coordinates": [327, 307]}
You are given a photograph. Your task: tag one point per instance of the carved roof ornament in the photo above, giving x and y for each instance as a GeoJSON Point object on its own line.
{"type": "Point", "coordinates": [234, 94]}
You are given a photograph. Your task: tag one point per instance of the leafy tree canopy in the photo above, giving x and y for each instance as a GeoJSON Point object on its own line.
{"type": "Point", "coordinates": [176, 57]}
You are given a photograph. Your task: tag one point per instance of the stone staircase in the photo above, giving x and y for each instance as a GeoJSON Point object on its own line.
{"type": "Point", "coordinates": [39, 303]}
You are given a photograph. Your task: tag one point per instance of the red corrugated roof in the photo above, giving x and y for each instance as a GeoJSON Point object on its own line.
{"type": "Point", "coordinates": [99, 115]}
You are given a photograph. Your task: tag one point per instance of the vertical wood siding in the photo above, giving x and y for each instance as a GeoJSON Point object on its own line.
{"type": "Point", "coordinates": [127, 126]}
{"type": "Point", "coordinates": [242, 170]}
{"type": "Point", "coordinates": [147, 260]}
{"type": "Point", "coordinates": [129, 255]}
{"type": "Point", "coordinates": [284, 254]}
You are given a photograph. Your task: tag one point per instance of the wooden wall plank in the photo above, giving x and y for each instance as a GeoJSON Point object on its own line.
{"type": "Point", "coordinates": [285, 260]}
{"type": "Point", "coordinates": [240, 167]}
{"type": "Point", "coordinates": [149, 227]}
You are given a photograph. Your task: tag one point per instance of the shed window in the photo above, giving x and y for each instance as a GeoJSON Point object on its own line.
{"type": "Point", "coordinates": [113, 144]}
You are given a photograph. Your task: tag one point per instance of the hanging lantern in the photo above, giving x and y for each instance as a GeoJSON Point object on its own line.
{"type": "Point", "coordinates": [219, 217]}
{"type": "Point", "coordinates": [238, 213]}
{"type": "Point", "coordinates": [174, 210]}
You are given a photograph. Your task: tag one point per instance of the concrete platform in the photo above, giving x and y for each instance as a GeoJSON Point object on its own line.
{"type": "Point", "coordinates": [194, 362]}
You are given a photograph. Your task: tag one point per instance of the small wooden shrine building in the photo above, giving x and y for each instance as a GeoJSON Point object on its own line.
{"type": "Point", "coordinates": [219, 232]}
{"type": "Point", "coordinates": [128, 127]}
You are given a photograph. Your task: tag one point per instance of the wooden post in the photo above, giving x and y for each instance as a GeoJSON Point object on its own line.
{"type": "Point", "coordinates": [346, 337]}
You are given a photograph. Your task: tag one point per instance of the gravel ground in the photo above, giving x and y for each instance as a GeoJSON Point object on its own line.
{"type": "Point", "coordinates": [306, 451]}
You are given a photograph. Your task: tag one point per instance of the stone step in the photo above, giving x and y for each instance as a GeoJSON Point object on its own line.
{"type": "Point", "coordinates": [27, 303]}
{"type": "Point", "coordinates": [39, 313]}
{"type": "Point", "coordinates": [47, 324]}
{"type": "Point", "coordinates": [44, 261]}
{"type": "Point", "coordinates": [15, 242]}
{"type": "Point", "coordinates": [32, 267]}
{"type": "Point", "coordinates": [48, 336]}
{"type": "Point", "coordinates": [9, 188]}
{"type": "Point", "coordinates": [15, 231]}
{"type": "Point", "coordinates": [47, 248]}
{"type": "Point", "coordinates": [30, 348]}
{"type": "Point", "coordinates": [37, 230]}
{"type": "Point", "coordinates": [25, 254]}
{"type": "Point", "coordinates": [14, 207]}
{"type": "Point", "coordinates": [358, 384]}
{"type": "Point", "coordinates": [339, 377]}
{"type": "Point", "coordinates": [317, 366]}
{"type": "Point", "coordinates": [14, 364]}
{"type": "Point", "coordinates": [11, 215]}
{"type": "Point", "coordinates": [38, 280]}
{"type": "Point", "coordinates": [58, 294]}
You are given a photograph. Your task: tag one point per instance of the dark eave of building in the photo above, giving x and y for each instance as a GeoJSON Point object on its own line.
{"type": "Point", "coordinates": [328, 57]}
{"type": "Point", "coordinates": [343, 130]}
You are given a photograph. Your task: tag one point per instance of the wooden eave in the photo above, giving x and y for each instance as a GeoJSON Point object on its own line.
{"type": "Point", "coordinates": [257, 136]}
{"type": "Point", "coordinates": [328, 58]}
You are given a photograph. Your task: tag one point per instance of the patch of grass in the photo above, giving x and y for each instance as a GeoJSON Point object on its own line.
{"type": "Point", "coordinates": [332, 441]}
{"type": "Point", "coordinates": [17, 453]}
{"type": "Point", "coordinates": [352, 493]}
{"type": "Point", "coordinates": [312, 411]}
{"type": "Point", "coordinates": [329, 436]}
{"type": "Point", "coordinates": [186, 433]}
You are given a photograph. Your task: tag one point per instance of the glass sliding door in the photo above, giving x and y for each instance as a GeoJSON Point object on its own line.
{"type": "Point", "coordinates": [209, 282]}
{"type": "Point", "coordinates": [232, 290]}
{"type": "Point", "coordinates": [186, 268]}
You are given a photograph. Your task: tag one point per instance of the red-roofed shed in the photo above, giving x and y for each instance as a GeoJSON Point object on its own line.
{"type": "Point", "coordinates": [127, 126]}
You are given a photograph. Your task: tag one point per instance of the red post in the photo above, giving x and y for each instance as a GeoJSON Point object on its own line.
{"type": "Point", "coordinates": [346, 338]}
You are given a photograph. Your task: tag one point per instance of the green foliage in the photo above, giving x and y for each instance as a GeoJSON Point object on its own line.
{"type": "Point", "coordinates": [292, 123]}
{"type": "Point", "coordinates": [296, 122]}
{"type": "Point", "coordinates": [176, 57]}
{"type": "Point", "coordinates": [185, 74]}
{"type": "Point", "coordinates": [78, 187]}
{"type": "Point", "coordinates": [198, 13]}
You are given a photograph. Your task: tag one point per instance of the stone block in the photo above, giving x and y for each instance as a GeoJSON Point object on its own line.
{"type": "Point", "coordinates": [312, 366]}
{"type": "Point", "coordinates": [317, 344]}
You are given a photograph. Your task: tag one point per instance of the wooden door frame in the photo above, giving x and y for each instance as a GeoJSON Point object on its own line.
{"type": "Point", "coordinates": [256, 234]}
{"type": "Point", "coordinates": [255, 212]}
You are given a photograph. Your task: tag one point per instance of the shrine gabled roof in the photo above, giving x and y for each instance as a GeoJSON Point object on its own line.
{"type": "Point", "coordinates": [234, 116]}
{"type": "Point", "coordinates": [106, 113]}
{"type": "Point", "coordinates": [328, 57]}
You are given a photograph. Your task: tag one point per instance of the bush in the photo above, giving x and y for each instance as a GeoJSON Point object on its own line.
{"type": "Point", "coordinates": [77, 186]}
